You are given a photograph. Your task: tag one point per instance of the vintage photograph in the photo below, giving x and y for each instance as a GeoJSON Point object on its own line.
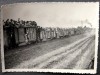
{"type": "Point", "coordinates": [50, 37]}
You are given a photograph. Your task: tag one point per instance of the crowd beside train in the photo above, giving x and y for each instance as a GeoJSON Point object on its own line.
{"type": "Point", "coordinates": [25, 32]}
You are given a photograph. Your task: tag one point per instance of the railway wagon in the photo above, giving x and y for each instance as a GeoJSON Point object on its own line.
{"type": "Point", "coordinates": [48, 33]}
{"type": "Point", "coordinates": [53, 33]}
{"type": "Point", "coordinates": [16, 36]}
{"type": "Point", "coordinates": [61, 32]}
{"type": "Point", "coordinates": [72, 32]}
{"type": "Point", "coordinates": [25, 35]}
{"type": "Point", "coordinates": [66, 32]}
{"type": "Point", "coordinates": [43, 34]}
{"type": "Point", "coordinates": [79, 30]}
{"type": "Point", "coordinates": [57, 33]}
{"type": "Point", "coordinates": [31, 34]}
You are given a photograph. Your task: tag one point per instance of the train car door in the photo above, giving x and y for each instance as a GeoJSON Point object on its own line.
{"type": "Point", "coordinates": [11, 37]}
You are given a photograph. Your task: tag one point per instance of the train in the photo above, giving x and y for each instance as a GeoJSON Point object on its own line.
{"type": "Point", "coordinates": [15, 36]}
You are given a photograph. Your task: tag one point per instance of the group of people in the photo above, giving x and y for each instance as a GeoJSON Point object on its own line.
{"type": "Point", "coordinates": [19, 23]}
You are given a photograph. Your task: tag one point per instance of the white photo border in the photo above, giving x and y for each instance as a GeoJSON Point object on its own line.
{"type": "Point", "coordinates": [94, 71]}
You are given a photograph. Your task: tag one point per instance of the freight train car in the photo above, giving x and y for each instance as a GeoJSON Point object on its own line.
{"type": "Point", "coordinates": [43, 34]}
{"type": "Point", "coordinates": [14, 36]}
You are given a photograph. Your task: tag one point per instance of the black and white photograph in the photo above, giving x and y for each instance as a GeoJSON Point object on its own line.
{"type": "Point", "coordinates": [50, 37]}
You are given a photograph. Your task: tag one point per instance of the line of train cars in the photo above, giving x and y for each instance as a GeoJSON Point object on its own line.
{"type": "Point", "coordinates": [15, 36]}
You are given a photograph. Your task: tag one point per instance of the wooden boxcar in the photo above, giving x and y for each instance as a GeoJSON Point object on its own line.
{"type": "Point", "coordinates": [16, 36]}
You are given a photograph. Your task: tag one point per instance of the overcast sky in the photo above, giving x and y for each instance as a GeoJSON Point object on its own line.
{"type": "Point", "coordinates": [54, 14]}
